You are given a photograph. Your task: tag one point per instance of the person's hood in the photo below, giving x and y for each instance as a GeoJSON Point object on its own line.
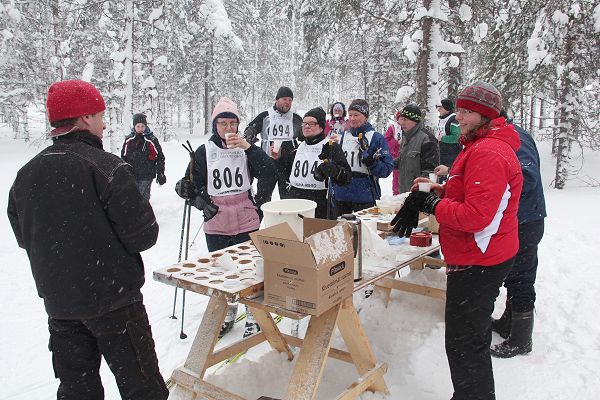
{"type": "Point", "coordinates": [499, 129]}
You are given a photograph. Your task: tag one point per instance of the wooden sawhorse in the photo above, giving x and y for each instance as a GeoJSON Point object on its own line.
{"type": "Point", "coordinates": [315, 348]}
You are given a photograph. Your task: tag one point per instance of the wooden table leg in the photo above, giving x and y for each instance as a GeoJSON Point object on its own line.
{"type": "Point", "coordinates": [311, 360]}
{"type": "Point", "coordinates": [383, 293]}
{"type": "Point", "coordinates": [202, 347]}
{"type": "Point", "coordinates": [272, 333]}
{"type": "Point", "coordinates": [358, 345]}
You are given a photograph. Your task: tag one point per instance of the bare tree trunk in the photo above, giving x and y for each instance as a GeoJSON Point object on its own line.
{"type": "Point", "coordinates": [208, 82]}
{"type": "Point", "coordinates": [531, 114]}
{"type": "Point", "coordinates": [455, 73]}
{"type": "Point", "coordinates": [128, 65]}
{"type": "Point", "coordinates": [423, 60]}
{"type": "Point", "coordinates": [542, 111]}
{"type": "Point", "coordinates": [56, 24]}
{"type": "Point", "coordinates": [567, 127]}
{"type": "Point", "coordinates": [191, 115]}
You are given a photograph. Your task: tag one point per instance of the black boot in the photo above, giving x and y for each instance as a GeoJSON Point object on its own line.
{"type": "Point", "coordinates": [502, 325]}
{"type": "Point", "coordinates": [519, 341]}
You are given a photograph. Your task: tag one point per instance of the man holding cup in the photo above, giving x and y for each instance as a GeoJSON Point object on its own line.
{"type": "Point", "coordinates": [280, 130]}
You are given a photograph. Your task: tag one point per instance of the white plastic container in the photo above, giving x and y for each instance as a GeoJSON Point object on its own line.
{"type": "Point", "coordinates": [287, 210]}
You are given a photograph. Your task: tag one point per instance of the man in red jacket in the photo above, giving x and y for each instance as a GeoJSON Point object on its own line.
{"type": "Point", "coordinates": [477, 212]}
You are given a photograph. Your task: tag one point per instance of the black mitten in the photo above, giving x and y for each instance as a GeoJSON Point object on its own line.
{"type": "Point", "coordinates": [208, 208]}
{"type": "Point", "coordinates": [251, 135]}
{"type": "Point", "coordinates": [327, 169]}
{"type": "Point", "coordinates": [408, 217]}
{"type": "Point", "coordinates": [368, 161]}
{"type": "Point", "coordinates": [161, 179]}
{"type": "Point", "coordinates": [185, 189]}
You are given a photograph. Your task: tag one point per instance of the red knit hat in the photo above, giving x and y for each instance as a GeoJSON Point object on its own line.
{"type": "Point", "coordinates": [72, 99]}
{"type": "Point", "coordinates": [482, 98]}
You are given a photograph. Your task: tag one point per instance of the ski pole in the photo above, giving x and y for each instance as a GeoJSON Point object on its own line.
{"type": "Point", "coordinates": [179, 258]}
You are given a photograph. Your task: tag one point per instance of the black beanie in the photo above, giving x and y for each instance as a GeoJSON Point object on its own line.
{"type": "Point", "coordinates": [361, 106]}
{"type": "Point", "coordinates": [319, 114]}
{"type": "Point", "coordinates": [448, 105]}
{"type": "Point", "coordinates": [284, 91]}
{"type": "Point", "coordinates": [139, 119]}
{"type": "Point", "coordinates": [412, 112]}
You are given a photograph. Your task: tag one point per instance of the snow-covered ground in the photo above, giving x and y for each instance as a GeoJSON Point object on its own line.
{"type": "Point", "coordinates": [408, 335]}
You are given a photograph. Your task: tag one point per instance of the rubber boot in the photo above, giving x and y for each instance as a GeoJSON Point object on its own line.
{"type": "Point", "coordinates": [519, 341]}
{"type": "Point", "coordinates": [502, 325]}
{"type": "Point", "coordinates": [229, 319]}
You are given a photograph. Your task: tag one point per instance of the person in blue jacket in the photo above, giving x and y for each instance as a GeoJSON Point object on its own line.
{"type": "Point", "coordinates": [516, 323]}
{"type": "Point", "coordinates": [369, 157]}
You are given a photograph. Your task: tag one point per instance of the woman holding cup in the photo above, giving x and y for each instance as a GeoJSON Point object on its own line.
{"type": "Point", "coordinates": [476, 209]}
{"type": "Point", "coordinates": [223, 170]}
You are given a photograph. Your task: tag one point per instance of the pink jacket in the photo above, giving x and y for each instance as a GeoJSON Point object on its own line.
{"type": "Point", "coordinates": [236, 215]}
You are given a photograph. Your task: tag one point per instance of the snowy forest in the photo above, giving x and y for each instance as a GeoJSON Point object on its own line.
{"type": "Point", "coordinates": [173, 59]}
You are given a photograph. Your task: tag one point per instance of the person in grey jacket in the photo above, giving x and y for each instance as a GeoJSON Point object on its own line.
{"type": "Point", "coordinates": [419, 151]}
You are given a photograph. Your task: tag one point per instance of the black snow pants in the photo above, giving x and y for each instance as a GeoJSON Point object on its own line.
{"type": "Point", "coordinates": [520, 281]}
{"type": "Point", "coordinates": [470, 297]}
{"type": "Point", "coordinates": [124, 338]}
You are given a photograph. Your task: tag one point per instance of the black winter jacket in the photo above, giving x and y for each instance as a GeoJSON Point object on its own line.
{"type": "Point", "coordinates": [144, 154]}
{"type": "Point", "coordinates": [77, 211]}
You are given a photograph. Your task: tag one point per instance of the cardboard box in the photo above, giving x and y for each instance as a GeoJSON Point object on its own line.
{"type": "Point", "coordinates": [310, 276]}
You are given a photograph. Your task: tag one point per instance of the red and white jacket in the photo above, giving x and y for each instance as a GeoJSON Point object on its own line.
{"type": "Point", "coordinates": [478, 211]}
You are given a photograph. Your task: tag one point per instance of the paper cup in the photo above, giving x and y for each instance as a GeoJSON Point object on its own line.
{"type": "Point", "coordinates": [228, 137]}
{"type": "Point", "coordinates": [433, 178]}
{"type": "Point", "coordinates": [424, 187]}
{"type": "Point", "coordinates": [259, 269]}
{"type": "Point", "coordinates": [276, 146]}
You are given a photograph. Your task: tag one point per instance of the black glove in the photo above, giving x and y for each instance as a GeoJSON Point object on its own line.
{"type": "Point", "coordinates": [368, 161]}
{"type": "Point", "coordinates": [185, 189]}
{"type": "Point", "coordinates": [408, 216]}
{"type": "Point", "coordinates": [332, 152]}
{"type": "Point", "coordinates": [161, 179]}
{"type": "Point", "coordinates": [326, 170]}
{"type": "Point", "coordinates": [208, 208]}
{"type": "Point", "coordinates": [251, 135]}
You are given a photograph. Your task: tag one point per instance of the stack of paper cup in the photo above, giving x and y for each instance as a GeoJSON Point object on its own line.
{"type": "Point", "coordinates": [259, 269]}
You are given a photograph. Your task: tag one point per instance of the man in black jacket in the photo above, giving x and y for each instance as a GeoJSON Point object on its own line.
{"type": "Point", "coordinates": [143, 152]}
{"type": "Point", "coordinates": [77, 211]}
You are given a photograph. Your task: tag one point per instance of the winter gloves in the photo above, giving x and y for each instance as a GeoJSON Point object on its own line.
{"type": "Point", "coordinates": [326, 170]}
{"type": "Point", "coordinates": [408, 216]}
{"type": "Point", "coordinates": [161, 179]}
{"type": "Point", "coordinates": [334, 166]}
{"type": "Point", "coordinates": [198, 198]}
{"type": "Point", "coordinates": [251, 135]}
{"type": "Point", "coordinates": [367, 159]}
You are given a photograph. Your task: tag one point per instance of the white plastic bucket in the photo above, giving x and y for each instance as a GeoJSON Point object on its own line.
{"type": "Point", "coordinates": [287, 210]}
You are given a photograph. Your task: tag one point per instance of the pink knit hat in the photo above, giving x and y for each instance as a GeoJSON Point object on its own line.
{"type": "Point", "coordinates": [225, 106]}
{"type": "Point", "coordinates": [482, 98]}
